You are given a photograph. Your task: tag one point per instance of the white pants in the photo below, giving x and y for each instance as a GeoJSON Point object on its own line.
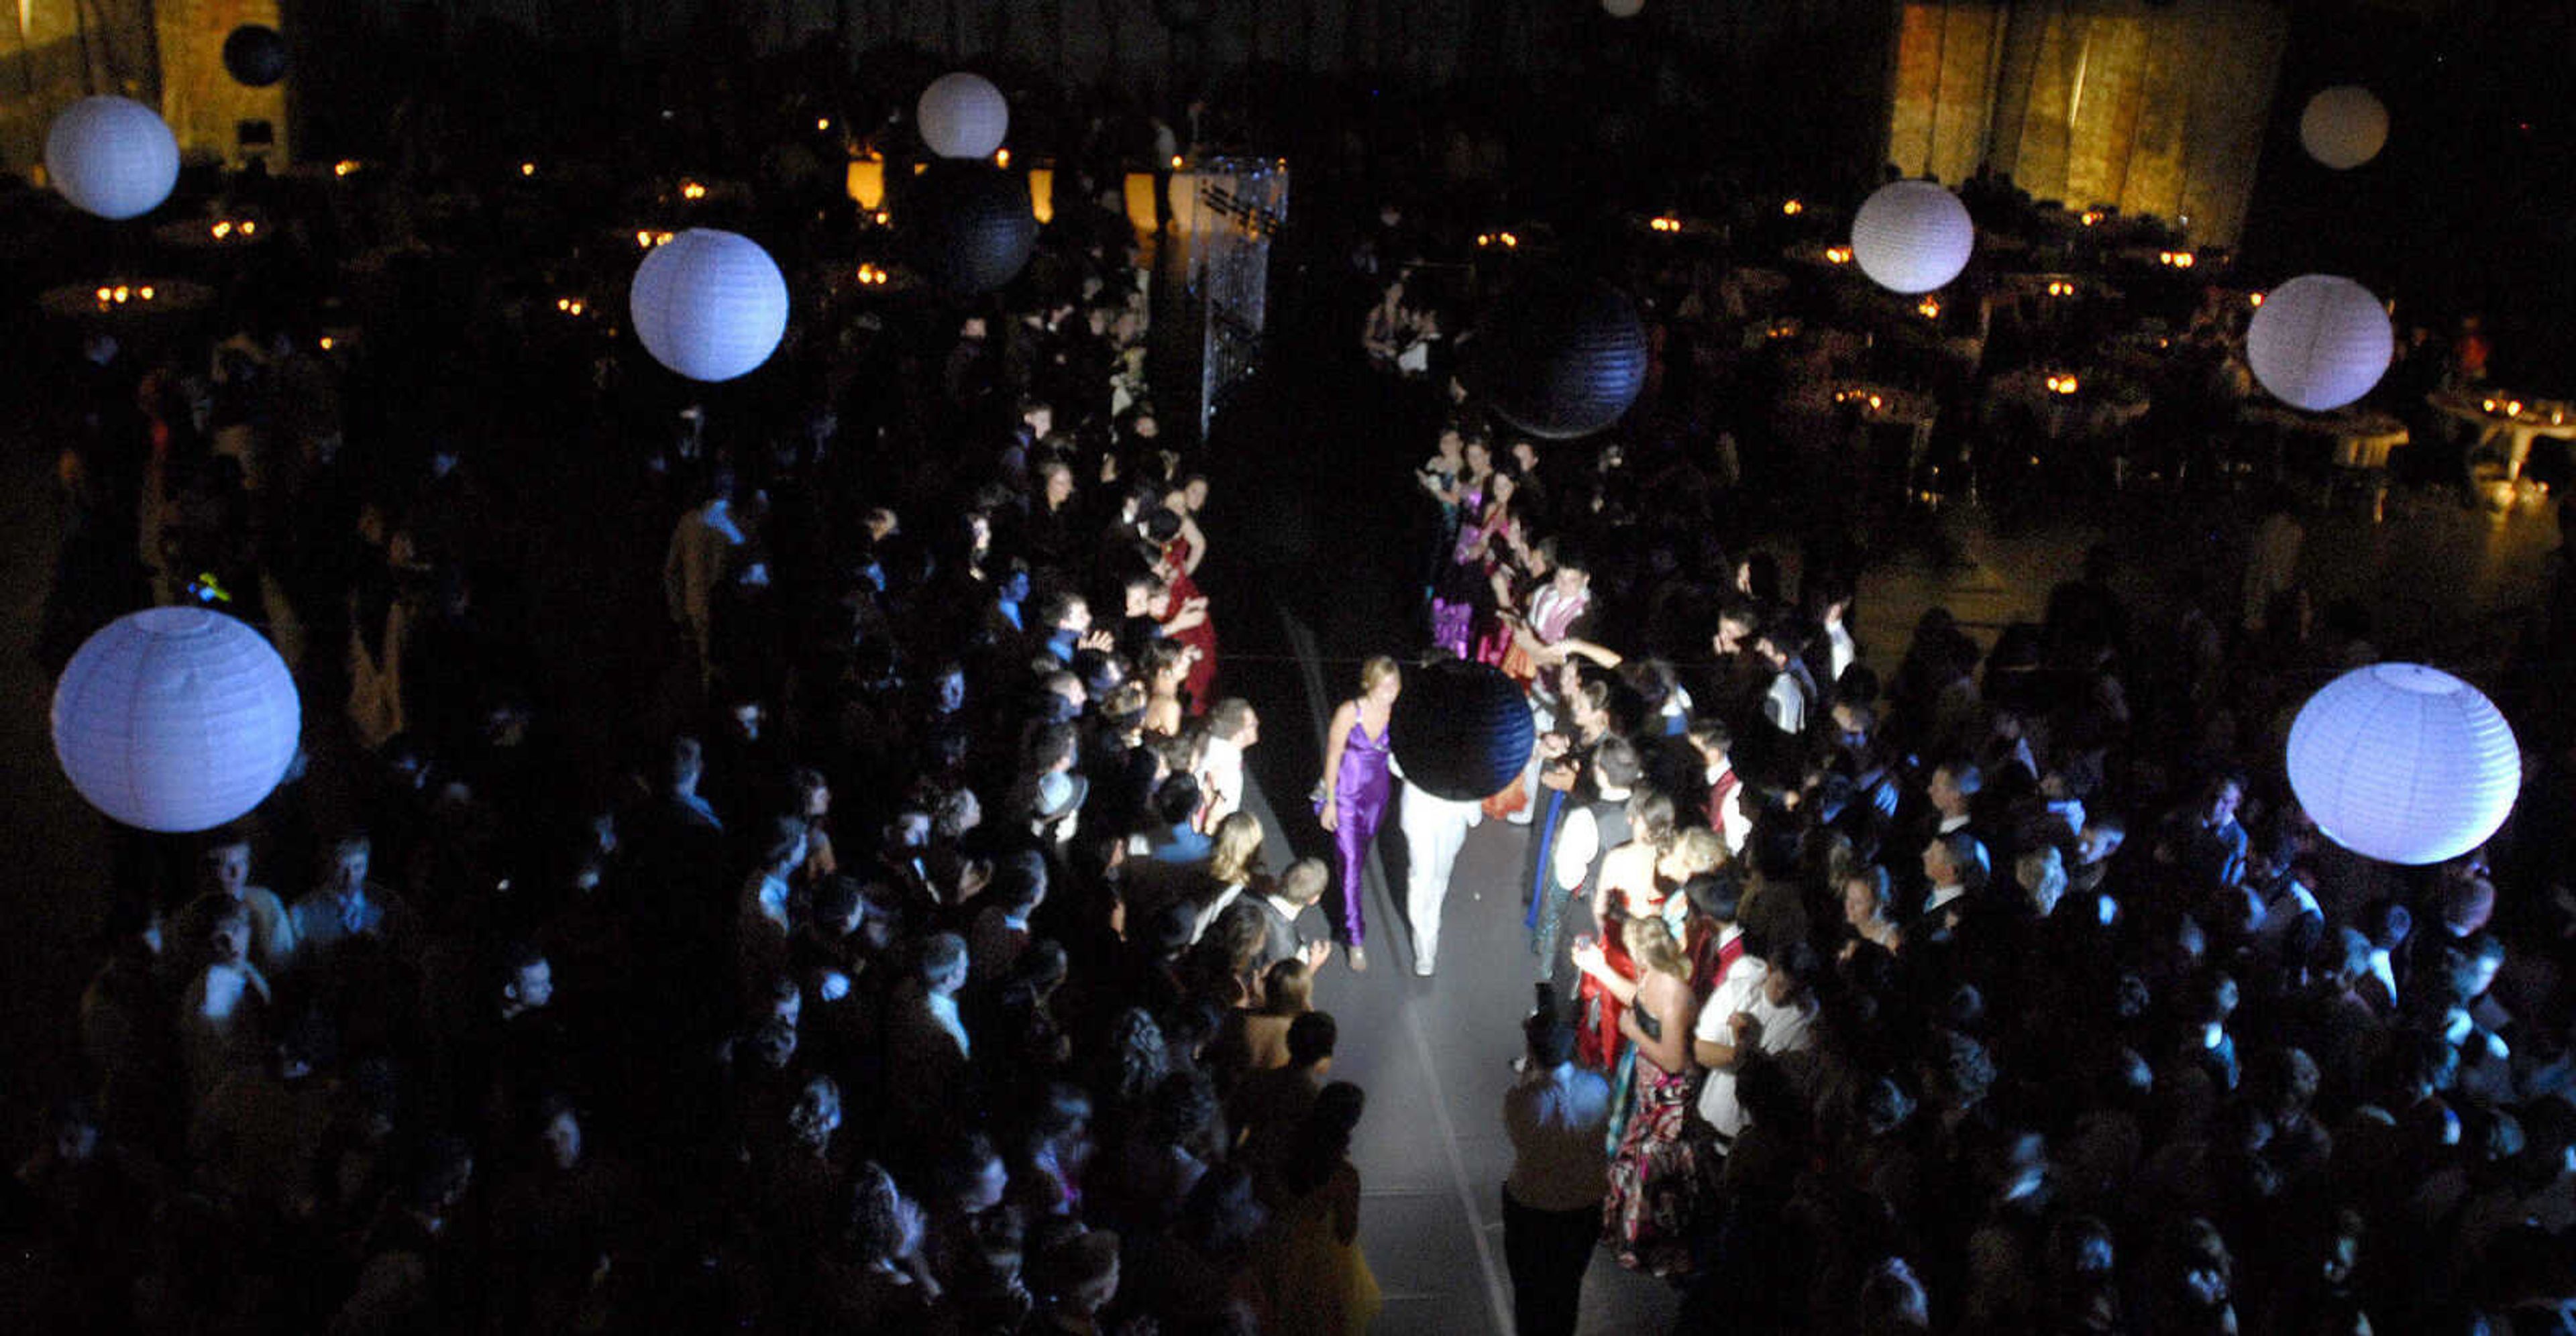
{"type": "Point", "coordinates": [1434, 828]}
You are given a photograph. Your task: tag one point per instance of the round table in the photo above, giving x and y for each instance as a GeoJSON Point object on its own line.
{"type": "Point", "coordinates": [2081, 415]}
{"type": "Point", "coordinates": [1813, 253]}
{"type": "Point", "coordinates": [170, 297]}
{"type": "Point", "coordinates": [2362, 438]}
{"type": "Point", "coordinates": [2514, 433]}
{"type": "Point", "coordinates": [197, 235]}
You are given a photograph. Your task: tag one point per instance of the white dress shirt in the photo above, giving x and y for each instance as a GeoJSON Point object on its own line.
{"type": "Point", "coordinates": [1734, 824]}
{"type": "Point", "coordinates": [1785, 705]}
{"type": "Point", "coordinates": [1787, 1029]}
{"type": "Point", "coordinates": [1221, 777]}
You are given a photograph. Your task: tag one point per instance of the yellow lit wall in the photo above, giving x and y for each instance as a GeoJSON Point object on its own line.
{"type": "Point", "coordinates": [49, 57]}
{"type": "Point", "coordinates": [202, 103]}
{"type": "Point", "coordinates": [2156, 109]}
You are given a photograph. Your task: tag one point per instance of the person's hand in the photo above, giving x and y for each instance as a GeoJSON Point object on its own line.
{"type": "Point", "coordinates": [1587, 957]}
{"type": "Point", "coordinates": [1316, 953]}
{"type": "Point", "coordinates": [1746, 1030]}
{"type": "Point", "coordinates": [1102, 641]}
{"type": "Point", "coordinates": [1330, 817]}
{"type": "Point", "coordinates": [1195, 604]}
{"type": "Point", "coordinates": [1553, 743]}
{"type": "Point", "coordinates": [1559, 775]}
{"type": "Point", "coordinates": [973, 878]}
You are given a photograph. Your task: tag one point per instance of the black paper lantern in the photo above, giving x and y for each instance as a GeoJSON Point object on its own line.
{"type": "Point", "coordinates": [1461, 730]}
{"type": "Point", "coordinates": [1561, 357]}
{"type": "Point", "coordinates": [255, 55]}
{"type": "Point", "coordinates": [968, 226]}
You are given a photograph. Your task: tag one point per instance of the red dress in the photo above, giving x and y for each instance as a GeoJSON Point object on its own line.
{"type": "Point", "coordinates": [1597, 1041]}
{"type": "Point", "coordinates": [1197, 688]}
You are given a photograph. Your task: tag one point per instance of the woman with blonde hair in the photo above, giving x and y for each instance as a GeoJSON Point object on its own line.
{"type": "Point", "coordinates": [1234, 863]}
{"type": "Point", "coordinates": [1659, 1170]}
{"type": "Point", "coordinates": [1357, 784]}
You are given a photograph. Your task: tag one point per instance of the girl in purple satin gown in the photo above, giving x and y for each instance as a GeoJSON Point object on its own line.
{"type": "Point", "coordinates": [1356, 787]}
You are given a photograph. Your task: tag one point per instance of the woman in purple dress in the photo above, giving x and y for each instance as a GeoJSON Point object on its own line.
{"type": "Point", "coordinates": [1458, 582]}
{"type": "Point", "coordinates": [1354, 793]}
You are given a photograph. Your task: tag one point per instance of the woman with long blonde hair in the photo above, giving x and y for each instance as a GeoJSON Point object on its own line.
{"type": "Point", "coordinates": [1658, 1173]}
{"type": "Point", "coordinates": [1357, 784]}
{"type": "Point", "coordinates": [1234, 863]}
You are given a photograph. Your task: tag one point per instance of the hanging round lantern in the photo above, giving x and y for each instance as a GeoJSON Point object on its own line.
{"type": "Point", "coordinates": [1461, 730]}
{"type": "Point", "coordinates": [112, 156]}
{"type": "Point", "coordinates": [2404, 763]}
{"type": "Point", "coordinates": [1912, 236]}
{"type": "Point", "coordinates": [709, 305]}
{"type": "Point", "coordinates": [1561, 357]}
{"type": "Point", "coordinates": [255, 55]}
{"type": "Point", "coordinates": [2344, 127]}
{"type": "Point", "coordinates": [963, 116]}
{"type": "Point", "coordinates": [1623, 9]}
{"type": "Point", "coordinates": [968, 226]}
{"type": "Point", "coordinates": [176, 719]}
{"type": "Point", "coordinates": [2319, 342]}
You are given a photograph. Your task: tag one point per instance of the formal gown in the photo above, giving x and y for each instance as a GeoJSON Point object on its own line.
{"type": "Point", "coordinates": [1660, 1179]}
{"type": "Point", "coordinates": [1197, 689]}
{"type": "Point", "coordinates": [1316, 1284]}
{"type": "Point", "coordinates": [1359, 800]}
{"type": "Point", "coordinates": [1458, 587]}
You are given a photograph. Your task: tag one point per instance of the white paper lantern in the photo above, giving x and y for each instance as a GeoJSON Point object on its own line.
{"type": "Point", "coordinates": [963, 116]}
{"type": "Point", "coordinates": [112, 156]}
{"type": "Point", "coordinates": [710, 305]}
{"type": "Point", "coordinates": [2344, 127]}
{"type": "Point", "coordinates": [176, 719]}
{"type": "Point", "coordinates": [1623, 9]}
{"type": "Point", "coordinates": [2404, 763]}
{"type": "Point", "coordinates": [2319, 342]}
{"type": "Point", "coordinates": [1912, 236]}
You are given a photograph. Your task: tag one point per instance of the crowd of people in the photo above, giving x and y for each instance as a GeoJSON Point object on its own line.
{"type": "Point", "coordinates": [925, 976]}
{"type": "Point", "coordinates": [926, 973]}
{"type": "Point", "coordinates": [1982, 988]}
